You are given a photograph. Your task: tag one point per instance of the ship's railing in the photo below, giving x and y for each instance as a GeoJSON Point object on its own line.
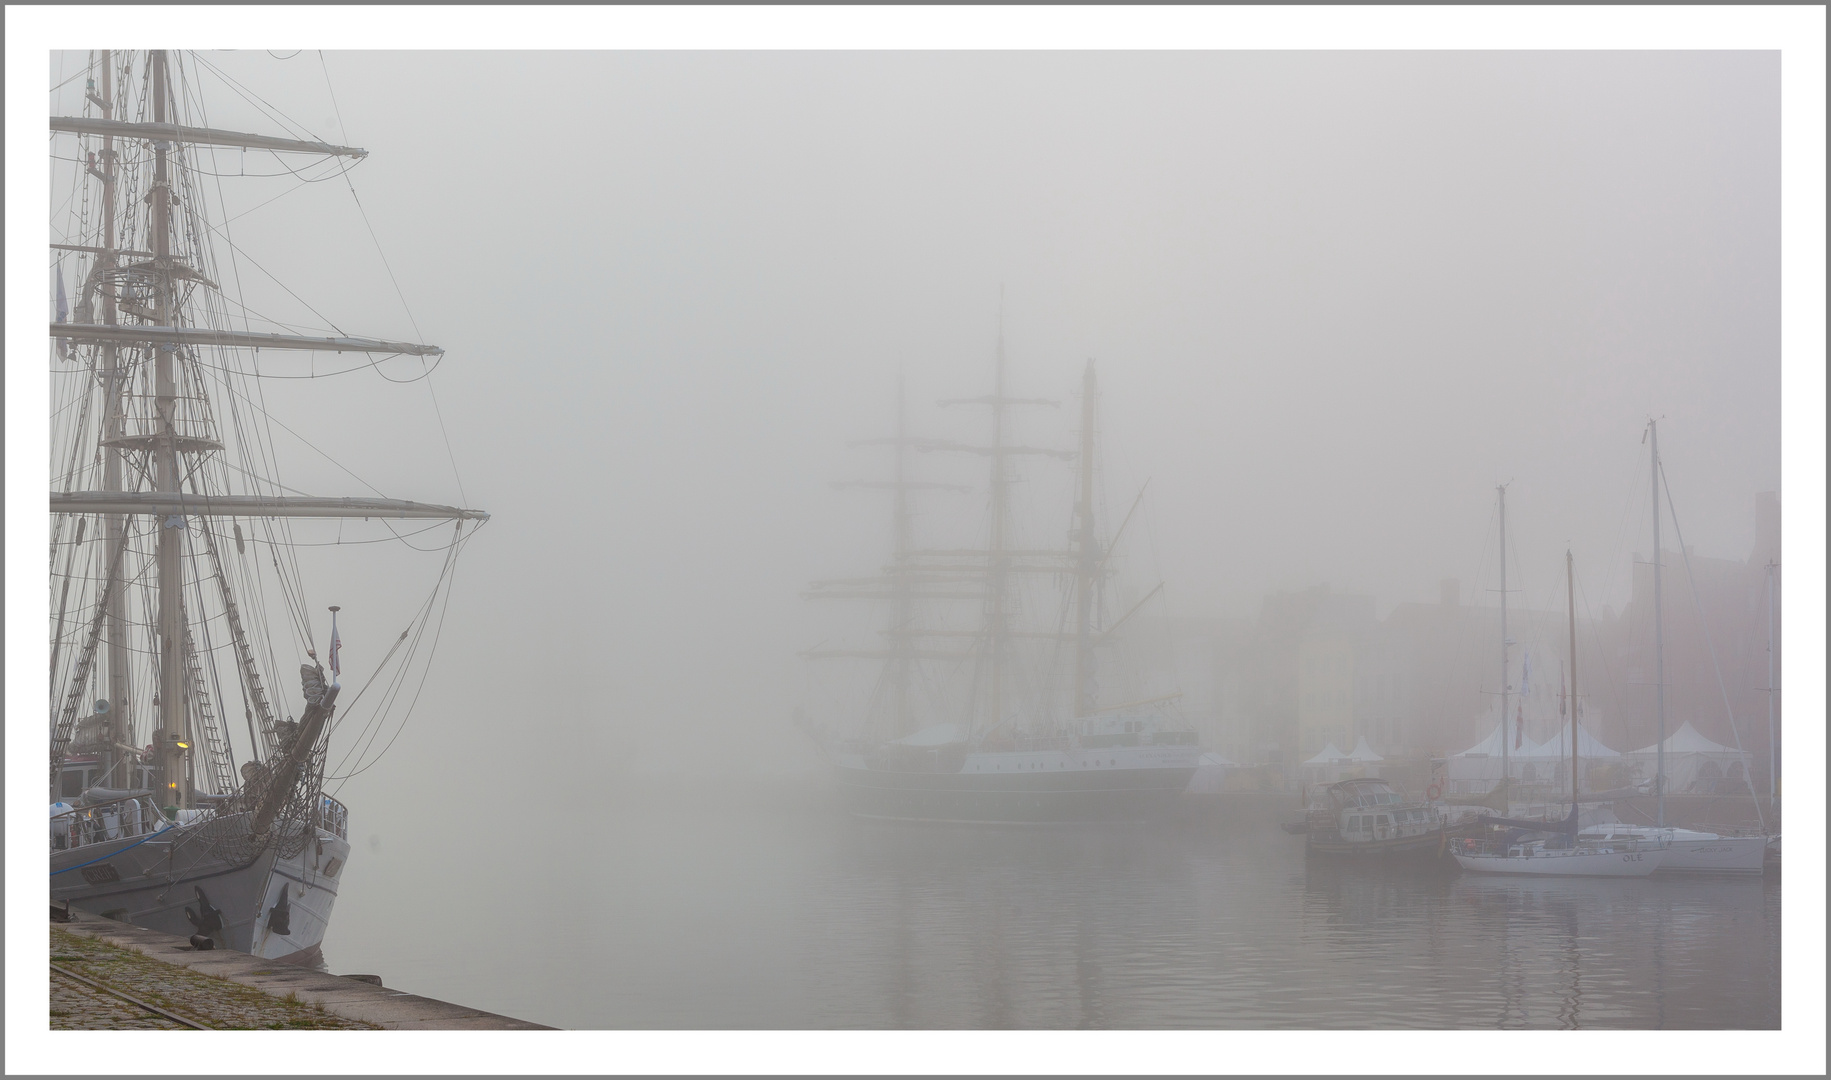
{"type": "Point", "coordinates": [1470, 846]}
{"type": "Point", "coordinates": [1736, 830]}
{"type": "Point", "coordinates": [333, 817]}
{"type": "Point", "coordinates": [116, 819]}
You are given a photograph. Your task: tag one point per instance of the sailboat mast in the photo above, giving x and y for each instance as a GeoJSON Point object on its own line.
{"type": "Point", "coordinates": [1570, 599]}
{"type": "Point", "coordinates": [1084, 703]}
{"type": "Point", "coordinates": [1773, 754]}
{"type": "Point", "coordinates": [1659, 642]}
{"type": "Point", "coordinates": [1506, 775]}
{"type": "Point", "coordinates": [903, 641]}
{"type": "Point", "coordinates": [117, 770]}
{"type": "Point", "coordinates": [174, 735]}
{"type": "Point", "coordinates": [996, 571]}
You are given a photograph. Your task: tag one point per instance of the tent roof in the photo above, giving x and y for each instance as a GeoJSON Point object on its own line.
{"type": "Point", "coordinates": [1363, 752]}
{"type": "Point", "coordinates": [1489, 745]}
{"type": "Point", "coordinates": [1687, 740]}
{"type": "Point", "coordinates": [1210, 759]}
{"type": "Point", "coordinates": [1327, 756]}
{"type": "Point", "coordinates": [1588, 746]}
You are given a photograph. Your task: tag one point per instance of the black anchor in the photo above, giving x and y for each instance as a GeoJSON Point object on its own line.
{"type": "Point", "coordinates": [208, 920]}
{"type": "Point", "coordinates": [279, 916]}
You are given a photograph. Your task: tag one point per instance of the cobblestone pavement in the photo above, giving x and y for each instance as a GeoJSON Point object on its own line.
{"type": "Point", "coordinates": [206, 999]}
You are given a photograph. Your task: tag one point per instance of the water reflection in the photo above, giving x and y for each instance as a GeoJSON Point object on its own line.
{"type": "Point", "coordinates": [772, 911]}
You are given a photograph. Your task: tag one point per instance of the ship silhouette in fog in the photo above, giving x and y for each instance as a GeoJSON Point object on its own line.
{"type": "Point", "coordinates": [1004, 719]}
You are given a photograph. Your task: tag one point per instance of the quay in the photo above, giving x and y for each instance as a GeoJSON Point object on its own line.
{"type": "Point", "coordinates": [109, 975]}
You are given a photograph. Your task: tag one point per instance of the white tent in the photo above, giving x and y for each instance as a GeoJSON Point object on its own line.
{"type": "Point", "coordinates": [1210, 771]}
{"type": "Point", "coordinates": [1589, 747]}
{"type": "Point", "coordinates": [1488, 746]}
{"type": "Point", "coordinates": [1695, 765]}
{"type": "Point", "coordinates": [1544, 762]}
{"type": "Point", "coordinates": [1476, 770]}
{"type": "Point", "coordinates": [1326, 767]}
{"type": "Point", "coordinates": [1363, 752]}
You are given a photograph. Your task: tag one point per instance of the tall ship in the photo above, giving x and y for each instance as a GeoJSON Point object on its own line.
{"type": "Point", "coordinates": [176, 585]}
{"type": "Point", "coordinates": [1004, 692]}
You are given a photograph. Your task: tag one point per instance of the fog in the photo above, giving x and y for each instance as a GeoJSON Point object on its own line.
{"type": "Point", "coordinates": [1333, 299]}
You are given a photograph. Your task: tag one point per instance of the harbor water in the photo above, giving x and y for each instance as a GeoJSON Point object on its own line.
{"type": "Point", "coordinates": [763, 906]}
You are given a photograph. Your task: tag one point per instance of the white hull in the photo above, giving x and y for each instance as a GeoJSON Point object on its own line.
{"type": "Point", "coordinates": [1690, 851]}
{"type": "Point", "coordinates": [1577, 863]}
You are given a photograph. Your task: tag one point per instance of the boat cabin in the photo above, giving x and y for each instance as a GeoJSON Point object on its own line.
{"type": "Point", "coordinates": [80, 772]}
{"type": "Point", "coordinates": [1367, 810]}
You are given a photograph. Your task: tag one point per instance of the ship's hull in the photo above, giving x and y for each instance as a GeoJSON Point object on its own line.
{"type": "Point", "coordinates": [1568, 863]}
{"type": "Point", "coordinates": [1039, 786]}
{"type": "Point", "coordinates": [1690, 852]}
{"type": "Point", "coordinates": [1426, 845]}
{"type": "Point", "coordinates": [149, 881]}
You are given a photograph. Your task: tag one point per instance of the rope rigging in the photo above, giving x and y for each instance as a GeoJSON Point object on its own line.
{"type": "Point", "coordinates": [242, 451]}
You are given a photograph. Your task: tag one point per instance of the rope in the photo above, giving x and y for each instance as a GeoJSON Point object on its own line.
{"type": "Point", "coordinates": [108, 856]}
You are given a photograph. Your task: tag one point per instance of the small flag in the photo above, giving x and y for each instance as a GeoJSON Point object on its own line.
{"type": "Point", "coordinates": [1519, 726]}
{"type": "Point", "coordinates": [1525, 675]}
{"type": "Point", "coordinates": [336, 646]}
{"type": "Point", "coordinates": [1561, 689]}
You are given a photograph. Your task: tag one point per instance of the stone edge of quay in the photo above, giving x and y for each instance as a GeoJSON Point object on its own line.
{"type": "Point", "coordinates": [348, 998]}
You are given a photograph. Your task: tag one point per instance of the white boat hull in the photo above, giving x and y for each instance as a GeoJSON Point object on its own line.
{"type": "Point", "coordinates": [1691, 851]}
{"type": "Point", "coordinates": [1724, 855]}
{"type": "Point", "coordinates": [1577, 863]}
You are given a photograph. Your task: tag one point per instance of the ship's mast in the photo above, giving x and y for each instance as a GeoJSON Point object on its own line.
{"type": "Point", "coordinates": [174, 734]}
{"type": "Point", "coordinates": [1773, 754]}
{"type": "Point", "coordinates": [1506, 775]}
{"type": "Point", "coordinates": [1570, 576]}
{"type": "Point", "coordinates": [997, 569]}
{"type": "Point", "coordinates": [1659, 642]}
{"type": "Point", "coordinates": [183, 720]}
{"type": "Point", "coordinates": [1087, 580]}
{"type": "Point", "coordinates": [117, 768]}
{"type": "Point", "coordinates": [903, 642]}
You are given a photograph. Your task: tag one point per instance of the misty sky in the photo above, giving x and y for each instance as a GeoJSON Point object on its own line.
{"type": "Point", "coordinates": [1333, 299]}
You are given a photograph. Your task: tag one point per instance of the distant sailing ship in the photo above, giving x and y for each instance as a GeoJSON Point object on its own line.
{"type": "Point", "coordinates": [157, 599]}
{"type": "Point", "coordinates": [1026, 736]}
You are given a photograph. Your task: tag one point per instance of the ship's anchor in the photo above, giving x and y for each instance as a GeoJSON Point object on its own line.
{"type": "Point", "coordinates": [207, 919]}
{"type": "Point", "coordinates": [279, 916]}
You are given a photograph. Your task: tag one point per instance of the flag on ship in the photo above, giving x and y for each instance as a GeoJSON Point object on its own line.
{"type": "Point", "coordinates": [336, 647]}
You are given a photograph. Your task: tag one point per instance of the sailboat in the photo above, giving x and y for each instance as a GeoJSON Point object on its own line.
{"type": "Point", "coordinates": [1542, 848]}
{"type": "Point", "coordinates": [1689, 850]}
{"type": "Point", "coordinates": [1013, 746]}
{"type": "Point", "coordinates": [165, 512]}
